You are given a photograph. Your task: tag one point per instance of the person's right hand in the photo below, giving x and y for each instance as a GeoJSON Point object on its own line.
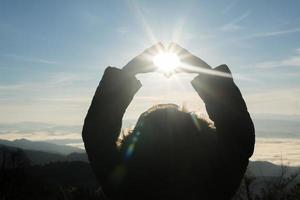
{"type": "Point", "coordinates": [143, 63]}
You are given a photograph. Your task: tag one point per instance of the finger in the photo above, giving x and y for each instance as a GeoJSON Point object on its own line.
{"type": "Point", "coordinates": [188, 58]}
{"type": "Point", "coordinates": [223, 68]}
{"type": "Point", "coordinates": [149, 67]}
{"type": "Point", "coordinates": [147, 54]}
{"type": "Point", "coordinates": [173, 47]}
{"type": "Point", "coordinates": [154, 49]}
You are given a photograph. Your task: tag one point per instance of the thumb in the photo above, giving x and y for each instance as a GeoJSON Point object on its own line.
{"type": "Point", "coordinates": [223, 68]}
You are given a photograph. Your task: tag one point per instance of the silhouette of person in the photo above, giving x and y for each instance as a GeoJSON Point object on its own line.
{"type": "Point", "coordinates": [170, 154]}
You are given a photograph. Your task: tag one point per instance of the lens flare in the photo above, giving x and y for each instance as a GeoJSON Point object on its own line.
{"type": "Point", "coordinates": [166, 62]}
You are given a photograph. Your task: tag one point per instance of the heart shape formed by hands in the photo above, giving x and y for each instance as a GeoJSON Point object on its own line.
{"type": "Point", "coordinates": [168, 60]}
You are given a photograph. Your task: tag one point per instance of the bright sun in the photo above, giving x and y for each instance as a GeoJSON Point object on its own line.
{"type": "Point", "coordinates": [166, 62]}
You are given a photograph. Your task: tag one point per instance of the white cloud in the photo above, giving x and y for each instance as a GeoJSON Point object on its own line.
{"type": "Point", "coordinates": [37, 131]}
{"type": "Point", "coordinates": [68, 99]}
{"type": "Point", "coordinates": [54, 81]}
{"type": "Point", "coordinates": [271, 34]}
{"type": "Point", "coordinates": [277, 150]}
{"type": "Point", "coordinates": [291, 61]}
{"type": "Point", "coordinates": [274, 101]}
{"type": "Point", "coordinates": [233, 25]}
{"type": "Point", "coordinates": [40, 136]}
{"type": "Point", "coordinates": [122, 30]}
{"type": "Point", "coordinates": [11, 87]}
{"type": "Point", "coordinates": [230, 6]}
{"type": "Point", "coordinates": [61, 98]}
{"type": "Point", "coordinates": [30, 59]}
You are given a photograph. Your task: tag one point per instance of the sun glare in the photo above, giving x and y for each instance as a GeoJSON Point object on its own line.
{"type": "Point", "coordinates": [166, 62]}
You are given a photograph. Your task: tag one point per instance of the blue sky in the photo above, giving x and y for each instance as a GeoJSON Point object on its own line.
{"type": "Point", "coordinates": [53, 53]}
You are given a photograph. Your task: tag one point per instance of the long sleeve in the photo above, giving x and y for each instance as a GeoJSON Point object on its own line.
{"type": "Point", "coordinates": [226, 107]}
{"type": "Point", "coordinates": [103, 122]}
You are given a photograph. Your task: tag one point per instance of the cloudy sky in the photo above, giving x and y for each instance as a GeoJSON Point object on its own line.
{"type": "Point", "coordinates": [53, 53]}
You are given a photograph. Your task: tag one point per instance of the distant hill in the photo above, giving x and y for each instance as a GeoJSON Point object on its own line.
{"type": "Point", "coordinates": [42, 153]}
{"type": "Point", "coordinates": [267, 169]}
{"type": "Point", "coordinates": [41, 157]}
{"type": "Point", "coordinates": [74, 173]}
{"type": "Point", "coordinates": [58, 180]}
{"type": "Point", "coordinates": [78, 157]}
{"type": "Point", "coordinates": [41, 146]}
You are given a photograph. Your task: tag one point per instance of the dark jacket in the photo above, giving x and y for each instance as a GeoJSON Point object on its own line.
{"type": "Point", "coordinates": [233, 144]}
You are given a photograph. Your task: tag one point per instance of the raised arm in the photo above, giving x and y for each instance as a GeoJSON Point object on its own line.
{"type": "Point", "coordinates": [226, 107]}
{"type": "Point", "coordinates": [103, 122]}
{"type": "Point", "coordinates": [224, 104]}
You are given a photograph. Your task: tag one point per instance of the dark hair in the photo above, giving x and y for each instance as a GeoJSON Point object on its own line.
{"type": "Point", "coordinates": [163, 147]}
{"type": "Point", "coordinates": [165, 116]}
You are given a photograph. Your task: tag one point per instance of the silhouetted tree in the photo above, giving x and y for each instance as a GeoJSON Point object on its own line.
{"type": "Point", "coordinates": [282, 187]}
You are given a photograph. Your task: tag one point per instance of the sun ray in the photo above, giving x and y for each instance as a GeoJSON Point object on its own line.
{"type": "Point", "coordinates": [198, 69]}
{"type": "Point", "coordinates": [178, 31]}
{"type": "Point", "coordinates": [140, 16]}
{"type": "Point", "coordinates": [200, 62]}
{"type": "Point", "coordinates": [166, 62]}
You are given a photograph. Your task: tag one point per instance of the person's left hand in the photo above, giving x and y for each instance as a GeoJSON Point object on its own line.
{"type": "Point", "coordinates": [189, 62]}
{"type": "Point", "coordinates": [143, 63]}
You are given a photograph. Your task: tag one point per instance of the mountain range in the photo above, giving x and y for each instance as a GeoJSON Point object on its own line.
{"type": "Point", "coordinates": [42, 146]}
{"type": "Point", "coordinates": [40, 153]}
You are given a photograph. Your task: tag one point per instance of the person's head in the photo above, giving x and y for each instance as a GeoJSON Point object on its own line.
{"type": "Point", "coordinates": [166, 121]}
{"type": "Point", "coordinates": [162, 149]}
